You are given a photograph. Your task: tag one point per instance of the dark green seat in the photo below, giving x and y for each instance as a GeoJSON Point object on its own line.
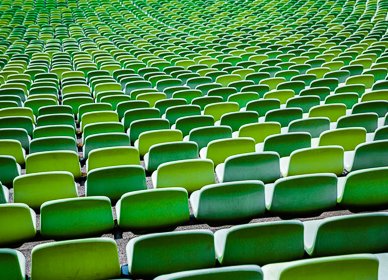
{"type": "Point", "coordinates": [284, 116]}
{"type": "Point", "coordinates": [9, 170]}
{"type": "Point", "coordinates": [115, 181]}
{"type": "Point", "coordinates": [153, 210]}
{"type": "Point", "coordinates": [76, 217]}
{"type": "Point", "coordinates": [285, 144]}
{"type": "Point", "coordinates": [160, 253]}
{"type": "Point", "coordinates": [231, 202]}
{"type": "Point", "coordinates": [204, 135]}
{"type": "Point", "coordinates": [314, 126]}
{"type": "Point", "coordinates": [302, 194]}
{"type": "Point", "coordinates": [46, 144]}
{"type": "Point", "coordinates": [369, 121]}
{"type": "Point", "coordinates": [260, 243]}
{"type": "Point", "coordinates": [370, 155]}
{"type": "Point", "coordinates": [350, 234]}
{"type": "Point", "coordinates": [13, 264]}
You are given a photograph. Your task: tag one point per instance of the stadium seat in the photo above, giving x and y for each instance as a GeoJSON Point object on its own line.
{"type": "Point", "coordinates": [149, 138]}
{"type": "Point", "coordinates": [9, 170]}
{"type": "Point", "coordinates": [114, 181]}
{"type": "Point", "coordinates": [255, 243]}
{"type": "Point", "coordinates": [90, 258]}
{"type": "Point", "coordinates": [153, 210]}
{"type": "Point", "coordinates": [160, 253]}
{"type": "Point", "coordinates": [76, 217]}
{"type": "Point", "coordinates": [351, 234]}
{"type": "Point", "coordinates": [184, 173]}
{"type": "Point", "coordinates": [302, 194]}
{"type": "Point", "coordinates": [228, 202]}
{"type": "Point", "coordinates": [204, 135]}
{"type": "Point", "coordinates": [18, 223]}
{"type": "Point", "coordinates": [37, 188]}
{"type": "Point", "coordinates": [13, 264]}
{"type": "Point", "coordinates": [368, 155]}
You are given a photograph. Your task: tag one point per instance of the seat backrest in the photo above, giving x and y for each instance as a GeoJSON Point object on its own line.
{"type": "Point", "coordinates": [204, 135]}
{"type": "Point", "coordinates": [159, 253]}
{"type": "Point", "coordinates": [90, 258]}
{"type": "Point", "coordinates": [76, 217]}
{"type": "Point", "coordinates": [347, 138]}
{"type": "Point", "coordinates": [285, 144]}
{"type": "Point", "coordinates": [372, 154]}
{"type": "Point", "coordinates": [12, 264]}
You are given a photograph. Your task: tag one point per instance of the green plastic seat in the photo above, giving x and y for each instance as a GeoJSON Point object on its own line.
{"type": "Point", "coordinates": [112, 156]}
{"type": "Point", "coordinates": [149, 138]}
{"type": "Point", "coordinates": [369, 155]}
{"type": "Point", "coordinates": [18, 224]}
{"type": "Point", "coordinates": [303, 102]}
{"type": "Point", "coordinates": [91, 258]}
{"type": "Point", "coordinates": [346, 267]}
{"type": "Point", "coordinates": [17, 134]}
{"type": "Point", "coordinates": [364, 189]}
{"type": "Point", "coordinates": [243, 272]}
{"type": "Point", "coordinates": [328, 159]}
{"type": "Point", "coordinates": [281, 94]}
{"type": "Point", "coordinates": [218, 150]}
{"type": "Point", "coordinates": [56, 119]}
{"type": "Point", "coordinates": [9, 170]}
{"type": "Point", "coordinates": [228, 202]}
{"type": "Point", "coordinates": [347, 138]}
{"type": "Point", "coordinates": [302, 195]}
{"type": "Point", "coordinates": [17, 122]}
{"type": "Point", "coordinates": [35, 189]}
{"type": "Point", "coordinates": [167, 152]}
{"type": "Point", "coordinates": [285, 144]}
{"type": "Point", "coordinates": [331, 111]}
{"type": "Point", "coordinates": [101, 128]}
{"type": "Point", "coordinates": [76, 217]}
{"type": "Point", "coordinates": [237, 119]}
{"type": "Point", "coordinates": [381, 133]}
{"type": "Point", "coordinates": [349, 99]}
{"type": "Point", "coordinates": [349, 234]}
{"type": "Point", "coordinates": [105, 140]}
{"type": "Point", "coordinates": [46, 144]}
{"type": "Point", "coordinates": [98, 117]}
{"type": "Point", "coordinates": [314, 126]}
{"type": "Point", "coordinates": [14, 149]}
{"type": "Point", "coordinates": [54, 131]}
{"type": "Point", "coordinates": [54, 161]}
{"type": "Point", "coordinates": [153, 210]}
{"type": "Point", "coordinates": [133, 115]}
{"type": "Point", "coordinates": [94, 108]}
{"type": "Point", "coordinates": [368, 121]}
{"type": "Point", "coordinates": [184, 173]}
{"type": "Point", "coordinates": [114, 181]}
{"type": "Point", "coordinates": [176, 112]}
{"type": "Point", "coordinates": [160, 253]}
{"type": "Point", "coordinates": [379, 107]}
{"type": "Point", "coordinates": [13, 264]}
{"type": "Point", "coordinates": [284, 116]}
{"type": "Point", "coordinates": [186, 124]}
{"type": "Point", "coordinates": [255, 243]}
{"type": "Point", "coordinates": [217, 110]}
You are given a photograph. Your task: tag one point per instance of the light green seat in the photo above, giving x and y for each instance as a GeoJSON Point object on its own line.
{"type": "Point", "coordinates": [302, 195]}
{"type": "Point", "coordinates": [349, 234]}
{"type": "Point", "coordinates": [375, 95]}
{"type": "Point", "coordinates": [92, 258]}
{"type": "Point", "coordinates": [149, 138]}
{"type": "Point", "coordinates": [216, 110]}
{"type": "Point", "coordinates": [35, 189]}
{"type": "Point", "coordinates": [18, 112]}
{"type": "Point", "coordinates": [204, 135]}
{"type": "Point", "coordinates": [18, 224]}
{"type": "Point", "coordinates": [114, 181]}
{"type": "Point", "coordinates": [167, 152]}
{"type": "Point", "coordinates": [13, 264]}
{"type": "Point", "coordinates": [218, 150]}
{"type": "Point", "coordinates": [184, 173]}
{"type": "Point", "coordinates": [226, 203]}
{"type": "Point", "coordinates": [251, 166]}
{"type": "Point", "coordinates": [347, 138]}
{"type": "Point", "coordinates": [259, 243]}
{"type": "Point", "coordinates": [242, 272]}
{"type": "Point", "coordinates": [328, 159]}
{"type": "Point", "coordinates": [98, 117]}
{"type": "Point", "coordinates": [259, 131]}
{"type": "Point", "coordinates": [347, 267]}
{"type": "Point", "coordinates": [76, 217]}
{"type": "Point", "coordinates": [54, 161]}
{"type": "Point", "coordinates": [112, 156]}
{"type": "Point", "coordinates": [364, 189]}
{"type": "Point", "coordinates": [281, 94]}
{"type": "Point", "coordinates": [14, 149]}
{"type": "Point", "coordinates": [160, 253]}
{"type": "Point", "coordinates": [369, 155]}
{"type": "Point", "coordinates": [153, 210]}
{"type": "Point", "coordinates": [331, 111]}
{"type": "Point", "coordinates": [365, 79]}
{"type": "Point", "coordinates": [105, 140]}
{"type": "Point", "coordinates": [100, 128]}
